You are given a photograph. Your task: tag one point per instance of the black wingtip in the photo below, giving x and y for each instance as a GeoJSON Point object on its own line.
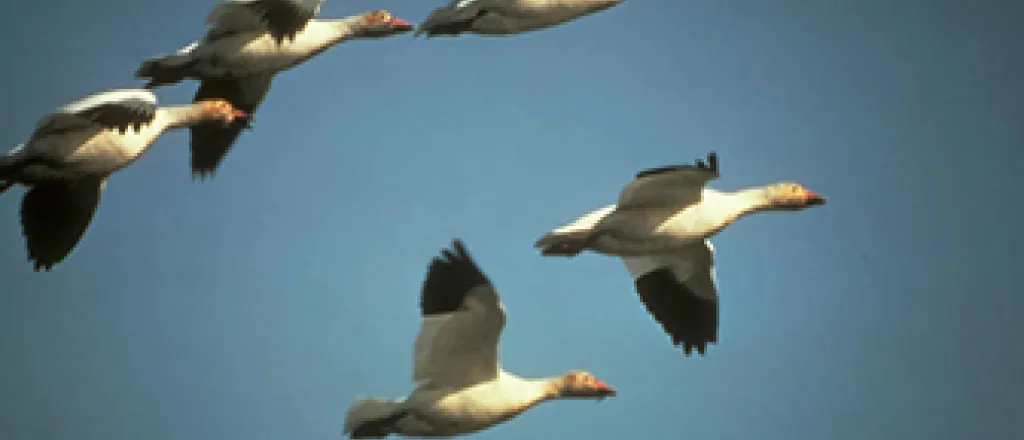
{"type": "Point", "coordinates": [450, 276]}
{"type": "Point", "coordinates": [460, 247]}
{"type": "Point", "coordinates": [8, 166]}
{"type": "Point", "coordinates": [700, 164]}
{"type": "Point", "coordinates": [202, 175]}
{"type": "Point", "coordinates": [701, 347]}
{"type": "Point", "coordinates": [691, 322]}
{"type": "Point", "coordinates": [713, 161]}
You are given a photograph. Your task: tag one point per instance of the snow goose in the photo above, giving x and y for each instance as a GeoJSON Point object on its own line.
{"type": "Point", "coordinates": [661, 228]}
{"type": "Point", "coordinates": [506, 17]}
{"type": "Point", "coordinates": [67, 159]}
{"type": "Point", "coordinates": [461, 388]}
{"type": "Point", "coordinates": [248, 43]}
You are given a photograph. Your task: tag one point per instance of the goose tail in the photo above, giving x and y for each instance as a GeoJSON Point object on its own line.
{"type": "Point", "coordinates": [166, 70]}
{"type": "Point", "coordinates": [563, 244]}
{"type": "Point", "coordinates": [371, 417]}
{"type": "Point", "coordinates": [571, 239]}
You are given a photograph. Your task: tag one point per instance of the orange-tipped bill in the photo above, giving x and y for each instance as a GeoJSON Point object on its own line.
{"type": "Point", "coordinates": [602, 389]}
{"type": "Point", "coordinates": [400, 24]}
{"type": "Point", "coordinates": [813, 199]}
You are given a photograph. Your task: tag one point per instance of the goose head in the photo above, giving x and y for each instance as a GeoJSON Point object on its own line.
{"type": "Point", "coordinates": [219, 110]}
{"type": "Point", "coordinates": [582, 385]}
{"type": "Point", "coordinates": [381, 23]}
{"type": "Point", "coordinates": [789, 196]}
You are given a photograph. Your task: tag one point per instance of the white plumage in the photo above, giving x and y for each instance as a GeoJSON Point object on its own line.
{"type": "Point", "coordinates": [460, 385]}
{"type": "Point", "coordinates": [115, 97]}
{"type": "Point", "coordinates": [247, 44]}
{"type": "Point", "coordinates": [71, 153]}
{"type": "Point", "coordinates": [661, 228]}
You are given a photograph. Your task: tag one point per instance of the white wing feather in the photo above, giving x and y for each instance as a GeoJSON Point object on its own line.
{"type": "Point", "coordinates": [109, 97]}
{"type": "Point", "coordinates": [461, 348]}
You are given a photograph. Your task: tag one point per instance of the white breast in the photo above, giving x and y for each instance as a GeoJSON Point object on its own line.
{"type": "Point", "coordinates": [471, 409]}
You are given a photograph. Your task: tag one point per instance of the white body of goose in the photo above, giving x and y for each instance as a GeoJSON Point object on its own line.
{"type": "Point", "coordinates": [66, 161]}
{"type": "Point", "coordinates": [248, 43]}
{"type": "Point", "coordinates": [506, 17]}
{"type": "Point", "coordinates": [661, 228]}
{"type": "Point", "coordinates": [461, 388]}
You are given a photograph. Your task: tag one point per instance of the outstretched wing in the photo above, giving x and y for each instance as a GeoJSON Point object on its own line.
{"type": "Point", "coordinates": [58, 134]}
{"type": "Point", "coordinates": [673, 186]}
{"type": "Point", "coordinates": [55, 216]}
{"type": "Point", "coordinates": [210, 142]}
{"type": "Point", "coordinates": [680, 292]}
{"type": "Point", "coordinates": [119, 108]}
{"type": "Point", "coordinates": [282, 18]}
{"type": "Point", "coordinates": [462, 322]}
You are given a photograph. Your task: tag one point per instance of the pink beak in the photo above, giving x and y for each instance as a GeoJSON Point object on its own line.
{"type": "Point", "coordinates": [601, 386]}
{"type": "Point", "coordinates": [238, 113]}
{"type": "Point", "coordinates": [400, 24]}
{"type": "Point", "coordinates": [814, 198]}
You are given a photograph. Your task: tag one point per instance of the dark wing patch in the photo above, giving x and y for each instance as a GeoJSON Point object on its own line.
{"type": "Point", "coordinates": [449, 279]}
{"type": "Point", "coordinates": [285, 18]}
{"type": "Point", "coordinates": [8, 168]}
{"type": "Point", "coordinates": [55, 138]}
{"type": "Point", "coordinates": [211, 141]}
{"type": "Point", "coordinates": [166, 70]}
{"type": "Point", "coordinates": [711, 165]}
{"type": "Point", "coordinates": [58, 124]}
{"type": "Point", "coordinates": [124, 114]}
{"type": "Point", "coordinates": [691, 321]}
{"type": "Point", "coordinates": [54, 217]}
{"type": "Point", "coordinates": [449, 20]}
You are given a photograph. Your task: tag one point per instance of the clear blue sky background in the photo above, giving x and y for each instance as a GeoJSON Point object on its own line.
{"type": "Point", "coordinates": [260, 304]}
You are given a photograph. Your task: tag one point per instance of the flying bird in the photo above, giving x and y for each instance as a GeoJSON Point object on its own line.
{"type": "Point", "coordinates": [247, 44]}
{"type": "Point", "coordinates": [68, 158]}
{"type": "Point", "coordinates": [461, 387]}
{"type": "Point", "coordinates": [661, 228]}
{"type": "Point", "coordinates": [506, 17]}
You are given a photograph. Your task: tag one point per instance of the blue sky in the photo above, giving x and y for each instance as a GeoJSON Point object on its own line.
{"type": "Point", "coordinates": [258, 305]}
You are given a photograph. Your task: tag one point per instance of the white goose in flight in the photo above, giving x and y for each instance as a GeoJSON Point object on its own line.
{"type": "Point", "coordinates": [66, 161]}
{"type": "Point", "coordinates": [248, 43]}
{"type": "Point", "coordinates": [461, 388]}
{"type": "Point", "coordinates": [506, 17]}
{"type": "Point", "coordinates": [661, 228]}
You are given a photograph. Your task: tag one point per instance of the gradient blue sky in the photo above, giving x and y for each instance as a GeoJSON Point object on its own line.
{"type": "Point", "coordinates": [260, 304]}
